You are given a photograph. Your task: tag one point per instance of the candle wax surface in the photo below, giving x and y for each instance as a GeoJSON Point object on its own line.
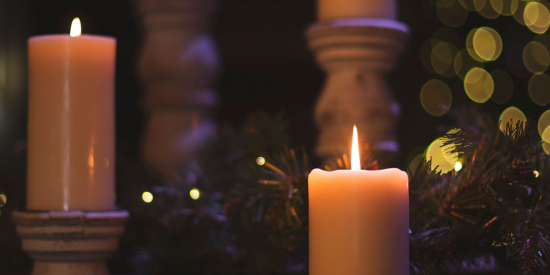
{"type": "Point", "coordinates": [359, 222]}
{"type": "Point", "coordinates": [71, 123]}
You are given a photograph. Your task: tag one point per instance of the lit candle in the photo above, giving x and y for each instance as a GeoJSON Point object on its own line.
{"type": "Point", "coordinates": [337, 9]}
{"type": "Point", "coordinates": [71, 122]}
{"type": "Point", "coordinates": [358, 220]}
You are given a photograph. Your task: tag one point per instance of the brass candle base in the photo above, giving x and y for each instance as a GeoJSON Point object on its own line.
{"type": "Point", "coordinates": [70, 242]}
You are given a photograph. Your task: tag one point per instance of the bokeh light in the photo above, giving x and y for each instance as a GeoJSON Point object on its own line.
{"type": "Point", "coordinates": [439, 156]}
{"type": "Point", "coordinates": [442, 58]}
{"type": "Point", "coordinates": [514, 61]}
{"type": "Point", "coordinates": [485, 8]}
{"type": "Point", "coordinates": [3, 200]}
{"type": "Point", "coordinates": [147, 197]}
{"type": "Point", "coordinates": [426, 54]}
{"type": "Point", "coordinates": [451, 13]}
{"type": "Point", "coordinates": [546, 135]}
{"type": "Point", "coordinates": [546, 147]}
{"type": "Point", "coordinates": [467, 4]}
{"type": "Point", "coordinates": [195, 193]}
{"type": "Point", "coordinates": [544, 122]}
{"type": "Point", "coordinates": [505, 7]}
{"type": "Point", "coordinates": [535, 57]}
{"type": "Point", "coordinates": [463, 63]}
{"type": "Point", "coordinates": [511, 115]}
{"type": "Point", "coordinates": [487, 43]}
{"type": "Point", "coordinates": [457, 166]}
{"type": "Point", "coordinates": [518, 15]}
{"type": "Point", "coordinates": [504, 86]}
{"type": "Point", "coordinates": [260, 161]}
{"type": "Point", "coordinates": [470, 46]}
{"type": "Point", "coordinates": [536, 173]}
{"type": "Point", "coordinates": [536, 17]}
{"type": "Point", "coordinates": [434, 96]}
{"type": "Point", "coordinates": [479, 85]}
{"type": "Point", "coordinates": [539, 89]}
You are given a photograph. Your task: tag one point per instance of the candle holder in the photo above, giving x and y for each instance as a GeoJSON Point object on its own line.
{"type": "Point", "coordinates": [357, 54]}
{"type": "Point", "coordinates": [70, 242]}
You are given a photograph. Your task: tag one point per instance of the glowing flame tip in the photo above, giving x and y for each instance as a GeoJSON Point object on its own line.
{"type": "Point", "coordinates": [75, 27]}
{"type": "Point", "coordinates": [355, 159]}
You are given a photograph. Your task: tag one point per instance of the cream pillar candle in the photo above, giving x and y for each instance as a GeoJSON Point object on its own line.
{"type": "Point", "coordinates": [358, 221]}
{"type": "Point", "coordinates": [337, 9]}
{"type": "Point", "coordinates": [71, 122]}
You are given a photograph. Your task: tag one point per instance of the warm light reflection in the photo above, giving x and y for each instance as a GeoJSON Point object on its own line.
{"type": "Point", "coordinates": [487, 43]}
{"type": "Point", "coordinates": [75, 27]}
{"type": "Point", "coordinates": [3, 199]}
{"type": "Point", "coordinates": [355, 158]}
{"type": "Point", "coordinates": [539, 89]}
{"type": "Point", "coordinates": [440, 156]}
{"type": "Point", "coordinates": [436, 97]}
{"type": "Point", "coordinates": [511, 115]}
{"type": "Point", "coordinates": [479, 85]}
{"type": "Point", "coordinates": [536, 173]}
{"type": "Point", "coordinates": [195, 193]}
{"type": "Point", "coordinates": [544, 122]}
{"type": "Point", "coordinates": [260, 161]}
{"type": "Point", "coordinates": [147, 197]}
{"type": "Point", "coordinates": [536, 17]}
{"type": "Point", "coordinates": [536, 57]}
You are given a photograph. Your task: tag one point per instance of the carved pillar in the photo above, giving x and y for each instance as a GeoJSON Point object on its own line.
{"type": "Point", "coordinates": [179, 63]}
{"type": "Point", "coordinates": [356, 54]}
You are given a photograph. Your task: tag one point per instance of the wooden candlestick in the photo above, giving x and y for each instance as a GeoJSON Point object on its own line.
{"type": "Point", "coordinates": [70, 242]}
{"type": "Point", "coordinates": [178, 64]}
{"type": "Point", "coordinates": [356, 54]}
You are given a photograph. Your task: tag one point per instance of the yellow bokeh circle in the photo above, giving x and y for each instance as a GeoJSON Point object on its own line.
{"type": "Point", "coordinates": [536, 57]}
{"type": "Point", "coordinates": [440, 156]}
{"type": "Point", "coordinates": [442, 57]}
{"type": "Point", "coordinates": [505, 7]}
{"type": "Point", "coordinates": [546, 147]}
{"type": "Point", "coordinates": [544, 122]}
{"type": "Point", "coordinates": [487, 43]}
{"type": "Point", "coordinates": [470, 46]}
{"type": "Point", "coordinates": [435, 97]}
{"type": "Point", "coordinates": [479, 85]}
{"type": "Point", "coordinates": [511, 116]}
{"type": "Point", "coordinates": [539, 89]}
{"type": "Point", "coordinates": [536, 17]}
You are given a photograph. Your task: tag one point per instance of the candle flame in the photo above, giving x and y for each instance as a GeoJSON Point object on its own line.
{"type": "Point", "coordinates": [75, 27]}
{"type": "Point", "coordinates": [355, 159]}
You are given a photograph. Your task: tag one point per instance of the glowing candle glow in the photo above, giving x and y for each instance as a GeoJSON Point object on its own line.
{"type": "Point", "coordinates": [358, 220]}
{"type": "Point", "coordinates": [71, 122]}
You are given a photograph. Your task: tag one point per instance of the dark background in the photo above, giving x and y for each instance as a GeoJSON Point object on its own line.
{"type": "Point", "coordinates": [265, 66]}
